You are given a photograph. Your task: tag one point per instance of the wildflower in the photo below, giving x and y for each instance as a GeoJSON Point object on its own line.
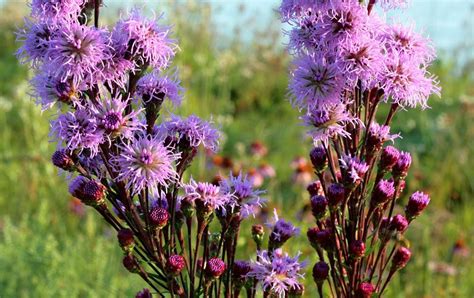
{"type": "Point", "coordinates": [336, 194]}
{"type": "Point", "coordinates": [90, 192]}
{"type": "Point", "coordinates": [320, 272]}
{"type": "Point", "coordinates": [400, 258]}
{"type": "Point", "coordinates": [215, 267]}
{"type": "Point", "coordinates": [315, 81]}
{"type": "Point", "coordinates": [56, 11]}
{"type": "Point", "coordinates": [257, 234]}
{"type": "Point", "coordinates": [145, 293]}
{"type": "Point", "coordinates": [357, 249]}
{"type": "Point", "coordinates": [365, 290]}
{"type": "Point", "coordinates": [78, 130]}
{"type": "Point", "coordinates": [76, 52]}
{"type": "Point", "coordinates": [50, 90]}
{"type": "Point", "coordinates": [144, 41]}
{"type": "Point", "coordinates": [377, 135]}
{"type": "Point", "coordinates": [130, 263]}
{"type": "Point", "coordinates": [145, 162]}
{"type": "Point", "coordinates": [400, 169]}
{"type": "Point", "coordinates": [319, 206]}
{"type": "Point", "coordinates": [324, 239]}
{"type": "Point", "coordinates": [416, 204]}
{"type": "Point", "coordinates": [398, 223]}
{"type": "Point", "coordinates": [383, 191]}
{"type": "Point", "coordinates": [281, 231]}
{"type": "Point", "coordinates": [239, 272]}
{"type": "Point", "coordinates": [192, 131]}
{"type": "Point", "coordinates": [62, 159]}
{"type": "Point", "coordinates": [175, 264]}
{"type": "Point", "coordinates": [243, 197]}
{"type": "Point", "coordinates": [311, 234]}
{"type": "Point", "coordinates": [155, 88]}
{"type": "Point", "coordinates": [159, 217]}
{"type": "Point", "coordinates": [353, 169]}
{"type": "Point", "coordinates": [319, 159]}
{"type": "Point", "coordinates": [126, 239]}
{"type": "Point", "coordinates": [315, 188]}
{"type": "Point", "coordinates": [206, 195]}
{"type": "Point", "coordinates": [36, 38]}
{"type": "Point", "coordinates": [388, 158]}
{"type": "Point", "coordinates": [276, 271]}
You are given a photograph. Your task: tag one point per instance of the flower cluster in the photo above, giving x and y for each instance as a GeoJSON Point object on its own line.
{"type": "Point", "coordinates": [347, 61]}
{"type": "Point", "coordinates": [126, 155]}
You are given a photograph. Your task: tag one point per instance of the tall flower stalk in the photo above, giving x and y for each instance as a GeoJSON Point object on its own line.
{"type": "Point", "coordinates": [126, 156]}
{"type": "Point", "coordinates": [347, 62]}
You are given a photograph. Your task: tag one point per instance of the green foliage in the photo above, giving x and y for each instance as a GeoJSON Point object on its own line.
{"type": "Point", "coordinates": [48, 251]}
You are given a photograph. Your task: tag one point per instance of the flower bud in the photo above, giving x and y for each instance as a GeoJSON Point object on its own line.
{"type": "Point", "coordinates": [130, 263]}
{"type": "Point", "coordinates": [319, 206]}
{"type": "Point", "coordinates": [312, 236]}
{"type": "Point", "coordinates": [398, 223]}
{"type": "Point", "coordinates": [400, 169]}
{"type": "Point", "coordinates": [416, 204]}
{"type": "Point", "coordinates": [62, 160]}
{"type": "Point", "coordinates": [145, 293]}
{"type": "Point", "coordinates": [364, 290]}
{"type": "Point", "coordinates": [315, 188]}
{"type": "Point", "coordinates": [159, 217]}
{"type": "Point", "coordinates": [388, 158]}
{"type": "Point", "coordinates": [336, 194]}
{"type": "Point", "coordinates": [319, 159]}
{"type": "Point", "coordinates": [175, 264]}
{"type": "Point", "coordinates": [324, 239]}
{"type": "Point", "coordinates": [257, 234]}
{"type": "Point", "coordinates": [215, 267]}
{"type": "Point", "coordinates": [383, 192]}
{"type": "Point", "coordinates": [320, 272]}
{"type": "Point", "coordinates": [90, 192]}
{"type": "Point", "coordinates": [125, 239]}
{"type": "Point", "coordinates": [357, 249]}
{"type": "Point", "coordinates": [400, 258]}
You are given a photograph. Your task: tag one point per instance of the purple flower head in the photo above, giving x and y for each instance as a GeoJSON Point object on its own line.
{"type": "Point", "coordinates": [277, 272]}
{"type": "Point", "coordinates": [353, 169]}
{"type": "Point", "coordinates": [398, 223]}
{"type": "Point", "coordinates": [389, 158]}
{"type": "Point", "coordinates": [319, 206]}
{"type": "Point", "coordinates": [78, 131]}
{"type": "Point", "coordinates": [159, 217]}
{"type": "Point", "coordinates": [240, 270]}
{"type": "Point", "coordinates": [378, 134]}
{"type": "Point", "coordinates": [320, 272]}
{"type": "Point", "coordinates": [357, 249]}
{"type": "Point", "coordinates": [114, 70]}
{"type": "Point", "coordinates": [364, 290]}
{"type": "Point", "coordinates": [400, 258]}
{"type": "Point", "coordinates": [383, 191]}
{"type": "Point", "coordinates": [328, 123]}
{"type": "Point", "coordinates": [145, 162]}
{"type": "Point", "coordinates": [400, 169]}
{"type": "Point", "coordinates": [282, 230]}
{"type": "Point", "coordinates": [49, 90]}
{"type": "Point", "coordinates": [243, 196]}
{"type": "Point", "coordinates": [144, 41]}
{"type": "Point", "coordinates": [155, 87]}
{"type": "Point", "coordinates": [207, 194]}
{"type": "Point", "coordinates": [111, 117]}
{"type": "Point", "coordinates": [319, 158]}
{"type": "Point", "coordinates": [336, 194]}
{"type": "Point", "coordinates": [215, 267]}
{"type": "Point", "coordinates": [90, 192]}
{"type": "Point", "coordinates": [77, 52]}
{"type": "Point", "coordinates": [175, 264]}
{"type": "Point", "coordinates": [405, 41]}
{"type": "Point", "coordinates": [63, 160]}
{"type": "Point", "coordinates": [406, 82]}
{"type": "Point", "coordinates": [191, 130]}
{"type": "Point", "coordinates": [316, 81]}
{"type": "Point", "coordinates": [416, 204]}
{"type": "Point", "coordinates": [35, 38]}
{"type": "Point", "coordinates": [57, 10]}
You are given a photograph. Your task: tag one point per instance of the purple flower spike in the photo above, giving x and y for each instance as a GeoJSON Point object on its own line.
{"type": "Point", "coordinates": [145, 162]}
{"type": "Point", "coordinates": [276, 272]}
{"type": "Point", "coordinates": [416, 204]}
{"type": "Point", "coordinates": [49, 90]}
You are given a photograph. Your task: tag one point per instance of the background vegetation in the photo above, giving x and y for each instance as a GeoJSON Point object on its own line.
{"type": "Point", "coordinates": [50, 246]}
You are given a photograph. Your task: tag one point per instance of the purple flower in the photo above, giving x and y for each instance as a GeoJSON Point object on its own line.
{"type": "Point", "coordinates": [282, 230]}
{"type": "Point", "coordinates": [353, 169]}
{"type": "Point", "coordinates": [49, 90]}
{"type": "Point", "coordinates": [209, 195]}
{"type": "Point", "coordinates": [383, 191]}
{"type": "Point", "coordinates": [192, 130]}
{"type": "Point", "coordinates": [145, 162]}
{"type": "Point", "coordinates": [391, 4]}
{"type": "Point", "coordinates": [400, 169]}
{"type": "Point", "coordinates": [36, 38]}
{"type": "Point", "coordinates": [297, 8]}
{"type": "Point", "coordinates": [110, 117]}
{"type": "Point", "coordinates": [277, 271]}
{"type": "Point", "coordinates": [416, 204]}
{"type": "Point", "coordinates": [406, 82]}
{"type": "Point", "coordinates": [320, 272]}
{"type": "Point", "coordinates": [114, 70]}
{"type": "Point", "coordinates": [328, 123]}
{"type": "Point", "coordinates": [78, 130]}
{"type": "Point", "coordinates": [389, 158]}
{"type": "Point", "coordinates": [316, 81]}
{"type": "Point", "coordinates": [243, 196]}
{"type": "Point", "coordinates": [379, 134]}
{"type": "Point", "coordinates": [400, 258]}
{"type": "Point", "coordinates": [143, 41]}
{"type": "Point", "coordinates": [155, 87]}
{"type": "Point", "coordinates": [77, 52]}
{"type": "Point", "coordinates": [54, 10]}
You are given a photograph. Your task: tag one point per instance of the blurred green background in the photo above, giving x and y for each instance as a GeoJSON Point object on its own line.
{"type": "Point", "coordinates": [50, 246]}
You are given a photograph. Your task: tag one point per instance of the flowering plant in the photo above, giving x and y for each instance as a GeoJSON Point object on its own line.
{"type": "Point", "coordinates": [109, 89]}
{"type": "Point", "coordinates": [347, 62]}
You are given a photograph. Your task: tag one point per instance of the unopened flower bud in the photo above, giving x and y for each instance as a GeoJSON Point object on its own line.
{"type": "Point", "coordinates": [400, 258]}
{"type": "Point", "coordinates": [257, 234]}
{"type": "Point", "coordinates": [416, 204]}
{"type": "Point", "coordinates": [319, 206]}
{"type": "Point", "coordinates": [318, 159]}
{"type": "Point", "coordinates": [215, 267]}
{"type": "Point", "coordinates": [314, 188]}
{"type": "Point", "coordinates": [364, 290]}
{"type": "Point", "coordinates": [336, 194]}
{"type": "Point", "coordinates": [130, 263]}
{"type": "Point", "coordinates": [320, 272]}
{"type": "Point", "coordinates": [126, 239]}
{"type": "Point", "coordinates": [324, 239]}
{"type": "Point", "coordinates": [400, 169]}
{"type": "Point", "coordinates": [383, 192]}
{"type": "Point", "coordinates": [62, 160]}
{"type": "Point", "coordinates": [357, 249]}
{"type": "Point", "coordinates": [159, 217]}
{"type": "Point", "coordinates": [312, 236]}
{"type": "Point", "coordinates": [398, 223]}
{"type": "Point", "coordinates": [145, 293]}
{"type": "Point", "coordinates": [90, 192]}
{"type": "Point", "coordinates": [388, 158]}
{"type": "Point", "coordinates": [175, 264]}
